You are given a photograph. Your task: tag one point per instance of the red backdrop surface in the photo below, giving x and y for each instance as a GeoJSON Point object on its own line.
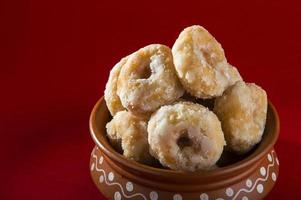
{"type": "Point", "coordinates": [55, 60]}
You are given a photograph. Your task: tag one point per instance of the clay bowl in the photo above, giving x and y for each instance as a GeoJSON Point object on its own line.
{"type": "Point", "coordinates": [249, 177]}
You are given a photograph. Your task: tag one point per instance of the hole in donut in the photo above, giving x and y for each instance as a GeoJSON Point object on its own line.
{"type": "Point", "coordinates": [144, 70]}
{"type": "Point", "coordinates": [184, 141]}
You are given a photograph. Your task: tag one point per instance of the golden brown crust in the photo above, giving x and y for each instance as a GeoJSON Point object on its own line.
{"type": "Point", "coordinates": [242, 110]}
{"type": "Point", "coordinates": [201, 63]}
{"type": "Point", "coordinates": [185, 136]}
{"type": "Point", "coordinates": [129, 132]}
{"type": "Point", "coordinates": [112, 99]}
{"type": "Point", "coordinates": [148, 80]}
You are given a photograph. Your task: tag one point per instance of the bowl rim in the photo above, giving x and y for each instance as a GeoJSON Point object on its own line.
{"type": "Point", "coordinates": [145, 169]}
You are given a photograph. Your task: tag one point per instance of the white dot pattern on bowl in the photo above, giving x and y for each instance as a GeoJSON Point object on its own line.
{"type": "Point", "coordinates": [101, 178]}
{"type": "Point", "coordinates": [269, 157]}
{"type": "Point", "coordinates": [274, 177]}
{"type": "Point", "coordinates": [177, 197]}
{"type": "Point", "coordinates": [129, 186]}
{"type": "Point", "coordinates": [229, 192]}
{"type": "Point", "coordinates": [259, 188]}
{"type": "Point", "coordinates": [100, 160]}
{"type": "Point", "coordinates": [117, 196]}
{"type": "Point", "coordinates": [262, 171]}
{"type": "Point", "coordinates": [153, 195]}
{"type": "Point", "coordinates": [249, 183]}
{"type": "Point", "coordinates": [204, 196]}
{"type": "Point", "coordinates": [111, 176]}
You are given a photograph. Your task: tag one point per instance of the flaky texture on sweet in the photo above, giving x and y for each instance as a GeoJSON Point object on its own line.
{"type": "Point", "coordinates": [185, 136]}
{"type": "Point", "coordinates": [112, 99]}
{"type": "Point", "coordinates": [201, 63]}
{"type": "Point", "coordinates": [129, 132]}
{"type": "Point", "coordinates": [242, 110]}
{"type": "Point", "coordinates": [148, 80]}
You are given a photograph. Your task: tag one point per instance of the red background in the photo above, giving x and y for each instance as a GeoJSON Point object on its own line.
{"type": "Point", "coordinates": [55, 58]}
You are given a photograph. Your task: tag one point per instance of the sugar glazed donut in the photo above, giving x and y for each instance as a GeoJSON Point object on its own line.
{"type": "Point", "coordinates": [129, 133]}
{"type": "Point", "coordinates": [112, 99]}
{"type": "Point", "coordinates": [185, 136]}
{"type": "Point", "coordinates": [242, 110]}
{"type": "Point", "coordinates": [148, 80]}
{"type": "Point", "coordinates": [201, 63]}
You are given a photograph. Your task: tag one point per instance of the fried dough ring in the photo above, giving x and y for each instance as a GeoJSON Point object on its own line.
{"type": "Point", "coordinates": [148, 80]}
{"type": "Point", "coordinates": [129, 133]}
{"type": "Point", "coordinates": [201, 64]}
{"type": "Point", "coordinates": [186, 137]}
{"type": "Point", "coordinates": [242, 110]}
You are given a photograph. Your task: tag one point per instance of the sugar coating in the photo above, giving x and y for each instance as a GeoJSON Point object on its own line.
{"type": "Point", "coordinates": [112, 99]}
{"type": "Point", "coordinates": [201, 63]}
{"type": "Point", "coordinates": [242, 110]}
{"type": "Point", "coordinates": [198, 126]}
{"type": "Point", "coordinates": [129, 132]}
{"type": "Point", "coordinates": [143, 92]}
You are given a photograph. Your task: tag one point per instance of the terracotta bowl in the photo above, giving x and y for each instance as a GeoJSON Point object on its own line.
{"type": "Point", "coordinates": [249, 177]}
